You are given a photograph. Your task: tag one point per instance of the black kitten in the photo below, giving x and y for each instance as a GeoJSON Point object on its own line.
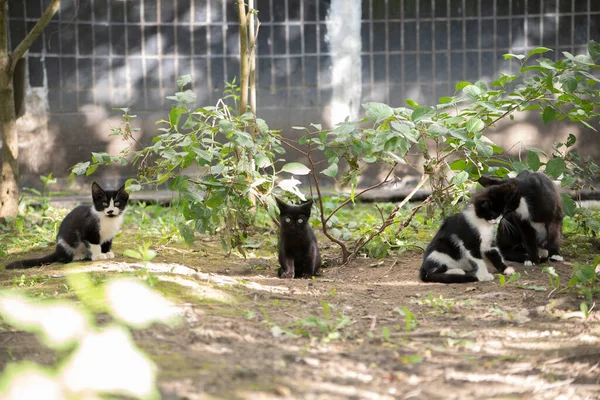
{"type": "Point", "coordinates": [456, 253]}
{"type": "Point", "coordinates": [87, 232]}
{"type": "Point", "coordinates": [298, 249]}
{"type": "Point", "coordinates": [533, 231]}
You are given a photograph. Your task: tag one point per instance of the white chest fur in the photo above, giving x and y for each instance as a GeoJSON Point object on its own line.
{"type": "Point", "coordinates": [109, 227]}
{"type": "Point", "coordinates": [523, 213]}
{"type": "Point", "coordinates": [483, 227]}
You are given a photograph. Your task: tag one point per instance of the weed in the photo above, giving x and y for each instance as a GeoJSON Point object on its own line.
{"type": "Point", "coordinates": [329, 327]}
{"type": "Point", "coordinates": [25, 281]}
{"type": "Point", "coordinates": [586, 281]}
{"type": "Point", "coordinates": [143, 253]}
{"type": "Point", "coordinates": [503, 281]}
{"type": "Point", "coordinates": [249, 314]}
{"type": "Point", "coordinates": [440, 304]}
{"type": "Point", "coordinates": [147, 276]}
{"type": "Point", "coordinates": [385, 333]}
{"type": "Point", "coordinates": [553, 277]}
{"type": "Point", "coordinates": [410, 321]}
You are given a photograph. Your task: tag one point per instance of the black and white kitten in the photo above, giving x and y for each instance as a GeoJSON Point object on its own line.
{"type": "Point", "coordinates": [533, 231]}
{"type": "Point", "coordinates": [299, 255]}
{"type": "Point", "coordinates": [87, 232]}
{"type": "Point", "coordinates": [456, 253]}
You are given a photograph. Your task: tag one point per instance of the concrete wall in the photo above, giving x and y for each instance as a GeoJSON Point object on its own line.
{"type": "Point", "coordinates": [109, 53]}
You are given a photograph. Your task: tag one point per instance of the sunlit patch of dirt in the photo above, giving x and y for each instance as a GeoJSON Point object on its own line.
{"type": "Point", "coordinates": [247, 334]}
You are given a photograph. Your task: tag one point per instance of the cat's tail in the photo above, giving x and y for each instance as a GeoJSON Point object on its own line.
{"type": "Point", "coordinates": [448, 278]}
{"type": "Point", "coordinates": [34, 262]}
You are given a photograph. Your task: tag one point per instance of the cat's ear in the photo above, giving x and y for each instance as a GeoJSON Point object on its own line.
{"type": "Point", "coordinates": [512, 196]}
{"type": "Point", "coordinates": [122, 193]}
{"type": "Point", "coordinates": [307, 206]}
{"type": "Point", "coordinates": [282, 206]}
{"type": "Point", "coordinates": [97, 191]}
{"type": "Point", "coordinates": [486, 181]}
{"type": "Point", "coordinates": [485, 204]}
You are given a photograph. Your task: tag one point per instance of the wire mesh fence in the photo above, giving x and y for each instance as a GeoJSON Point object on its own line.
{"type": "Point", "coordinates": [129, 53]}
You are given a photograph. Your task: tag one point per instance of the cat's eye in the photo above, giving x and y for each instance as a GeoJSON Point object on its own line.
{"type": "Point", "coordinates": [300, 220]}
{"type": "Point", "coordinates": [117, 204]}
{"type": "Point", "coordinates": [105, 204]}
{"type": "Point", "coordinates": [288, 219]}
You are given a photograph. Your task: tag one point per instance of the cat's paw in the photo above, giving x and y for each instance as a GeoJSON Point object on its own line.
{"type": "Point", "coordinates": [485, 278]}
{"type": "Point", "coordinates": [509, 271]}
{"type": "Point", "coordinates": [287, 274]}
{"type": "Point", "coordinates": [528, 263]}
{"type": "Point", "coordinates": [543, 253]}
{"type": "Point", "coordinates": [100, 256]}
{"type": "Point", "coordinates": [110, 254]}
{"type": "Point", "coordinates": [556, 257]}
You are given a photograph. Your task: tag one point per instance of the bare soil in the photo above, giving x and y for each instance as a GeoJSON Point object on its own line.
{"type": "Point", "coordinates": [242, 337]}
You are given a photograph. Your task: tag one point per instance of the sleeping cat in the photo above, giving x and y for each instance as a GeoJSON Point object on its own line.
{"type": "Point", "coordinates": [87, 232]}
{"type": "Point", "coordinates": [456, 253]}
{"type": "Point", "coordinates": [298, 249]}
{"type": "Point", "coordinates": [533, 231]}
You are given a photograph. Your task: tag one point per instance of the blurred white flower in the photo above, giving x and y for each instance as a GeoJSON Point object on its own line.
{"type": "Point", "coordinates": [137, 305]}
{"type": "Point", "coordinates": [109, 362]}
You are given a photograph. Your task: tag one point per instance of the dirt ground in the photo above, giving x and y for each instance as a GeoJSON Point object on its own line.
{"type": "Point", "coordinates": [245, 334]}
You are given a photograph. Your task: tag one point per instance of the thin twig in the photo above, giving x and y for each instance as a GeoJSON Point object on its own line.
{"type": "Point", "coordinates": [392, 215]}
{"type": "Point", "coordinates": [385, 180]}
{"type": "Point", "coordinates": [388, 271]}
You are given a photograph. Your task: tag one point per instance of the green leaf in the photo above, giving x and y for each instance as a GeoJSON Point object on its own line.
{"type": "Point", "coordinates": [536, 150]}
{"type": "Point", "coordinates": [538, 50]}
{"type": "Point", "coordinates": [81, 168]}
{"type": "Point", "coordinates": [533, 161]}
{"type": "Point", "coordinates": [187, 97]}
{"type": "Point", "coordinates": [175, 115]}
{"type": "Point", "coordinates": [518, 166]}
{"type": "Point", "coordinates": [132, 254]}
{"type": "Point", "coordinates": [594, 49]}
{"type": "Point", "coordinates": [567, 181]}
{"type": "Point", "coordinates": [445, 100]}
{"type": "Point", "coordinates": [475, 125]}
{"type": "Point", "coordinates": [569, 205]}
{"type": "Point", "coordinates": [532, 287]}
{"type": "Point", "coordinates": [183, 80]}
{"type": "Point", "coordinates": [331, 171]}
{"type": "Point", "coordinates": [460, 178]}
{"type": "Point", "coordinates": [571, 140]}
{"type": "Point", "coordinates": [517, 56]}
{"type": "Point", "coordinates": [569, 84]}
{"type": "Point", "coordinates": [472, 91]}
{"type": "Point", "coordinates": [555, 167]}
{"type": "Point", "coordinates": [377, 112]}
{"type": "Point", "coordinates": [392, 143]}
{"type": "Point", "coordinates": [436, 130]}
{"type": "Point", "coordinates": [186, 233]}
{"type": "Point", "coordinates": [421, 113]}
{"type": "Point", "coordinates": [546, 63]}
{"type": "Point", "coordinates": [548, 114]}
{"type": "Point", "coordinates": [91, 169]}
{"type": "Point", "coordinates": [262, 161]}
{"type": "Point", "coordinates": [412, 103]}
{"type": "Point", "coordinates": [484, 150]}
{"type": "Point", "coordinates": [459, 165]}
{"type": "Point", "coordinates": [461, 85]}
{"type": "Point", "coordinates": [225, 126]}
{"type": "Point", "coordinates": [215, 199]}
{"type": "Point", "coordinates": [296, 168]}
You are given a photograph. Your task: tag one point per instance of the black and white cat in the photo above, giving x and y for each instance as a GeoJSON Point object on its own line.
{"type": "Point", "coordinates": [87, 232]}
{"type": "Point", "coordinates": [456, 253]}
{"type": "Point", "coordinates": [533, 231]}
{"type": "Point", "coordinates": [299, 255]}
